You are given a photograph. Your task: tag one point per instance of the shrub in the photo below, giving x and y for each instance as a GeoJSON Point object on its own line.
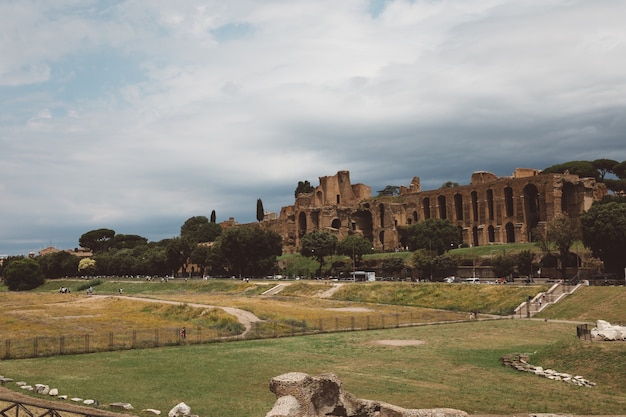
{"type": "Point", "coordinates": [23, 275]}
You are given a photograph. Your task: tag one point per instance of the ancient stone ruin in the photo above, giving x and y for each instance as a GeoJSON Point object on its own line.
{"type": "Point", "coordinates": [488, 210]}
{"type": "Point", "coordinates": [301, 395]}
{"type": "Point", "coordinates": [607, 331]}
{"type": "Point", "coordinates": [520, 362]}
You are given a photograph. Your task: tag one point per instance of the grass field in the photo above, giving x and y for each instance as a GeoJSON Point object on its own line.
{"type": "Point", "coordinates": [456, 366]}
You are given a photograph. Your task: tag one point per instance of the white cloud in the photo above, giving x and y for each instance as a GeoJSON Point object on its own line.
{"type": "Point", "coordinates": [132, 111]}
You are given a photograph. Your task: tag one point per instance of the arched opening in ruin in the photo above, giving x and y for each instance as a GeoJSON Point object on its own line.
{"type": "Point", "coordinates": [458, 206]}
{"type": "Point", "coordinates": [319, 196]}
{"type": "Point", "coordinates": [414, 217]}
{"type": "Point", "coordinates": [569, 200]}
{"type": "Point", "coordinates": [381, 239]}
{"type": "Point", "coordinates": [531, 208]}
{"type": "Point", "coordinates": [381, 215]}
{"type": "Point", "coordinates": [336, 224]}
{"type": "Point", "coordinates": [362, 222]}
{"type": "Point", "coordinates": [474, 197]}
{"type": "Point", "coordinates": [491, 233]}
{"type": "Point", "coordinates": [475, 236]}
{"type": "Point", "coordinates": [426, 205]}
{"type": "Point", "coordinates": [441, 203]}
{"type": "Point", "coordinates": [490, 210]}
{"type": "Point", "coordinates": [315, 219]}
{"type": "Point", "coordinates": [510, 233]}
{"type": "Point", "coordinates": [508, 201]}
{"type": "Point", "coordinates": [301, 224]}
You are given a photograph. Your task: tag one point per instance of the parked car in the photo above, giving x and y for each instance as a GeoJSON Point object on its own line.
{"type": "Point", "coordinates": [472, 280]}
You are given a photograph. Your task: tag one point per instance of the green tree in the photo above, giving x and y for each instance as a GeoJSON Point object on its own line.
{"type": "Point", "coordinates": [438, 235]}
{"type": "Point", "coordinates": [126, 241]}
{"type": "Point", "coordinates": [620, 170]}
{"type": "Point", "coordinates": [304, 187]}
{"type": "Point", "coordinates": [317, 245]}
{"type": "Point", "coordinates": [583, 169]}
{"type": "Point", "coordinates": [86, 266]}
{"type": "Point", "coordinates": [604, 166]}
{"type": "Point", "coordinates": [354, 246]}
{"type": "Point", "coordinates": [562, 232]}
{"type": "Point", "coordinates": [23, 274]}
{"type": "Point", "coordinates": [525, 262]}
{"type": "Point", "coordinates": [96, 240]}
{"type": "Point", "coordinates": [604, 232]}
{"type": "Point", "coordinates": [260, 212]}
{"type": "Point", "coordinates": [389, 190]}
{"type": "Point", "coordinates": [449, 184]}
{"type": "Point", "coordinates": [250, 251]}
{"type": "Point", "coordinates": [198, 229]}
{"type": "Point", "coordinates": [423, 261]}
{"type": "Point", "coordinates": [392, 266]}
{"type": "Point", "coordinates": [58, 264]}
{"type": "Point", "coordinates": [200, 255]}
{"type": "Point", "coordinates": [177, 252]}
{"type": "Point", "coordinates": [503, 266]}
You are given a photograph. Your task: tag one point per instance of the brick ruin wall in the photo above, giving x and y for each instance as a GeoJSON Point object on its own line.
{"type": "Point", "coordinates": [489, 210]}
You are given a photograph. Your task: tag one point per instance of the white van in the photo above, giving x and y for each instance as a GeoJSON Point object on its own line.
{"type": "Point", "coordinates": [472, 280]}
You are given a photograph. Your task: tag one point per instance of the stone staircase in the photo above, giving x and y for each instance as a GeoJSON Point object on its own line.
{"type": "Point", "coordinates": [555, 294]}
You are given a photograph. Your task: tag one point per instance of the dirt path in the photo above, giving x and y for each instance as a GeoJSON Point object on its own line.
{"type": "Point", "coordinates": [244, 317]}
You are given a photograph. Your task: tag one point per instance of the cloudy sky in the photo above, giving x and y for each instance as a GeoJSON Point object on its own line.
{"type": "Point", "coordinates": [136, 115]}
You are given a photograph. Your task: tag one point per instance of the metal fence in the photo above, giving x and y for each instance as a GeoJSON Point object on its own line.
{"type": "Point", "coordinates": [583, 331]}
{"type": "Point", "coordinates": [141, 339]}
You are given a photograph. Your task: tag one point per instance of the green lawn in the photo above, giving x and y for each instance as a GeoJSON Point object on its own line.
{"type": "Point", "coordinates": [457, 365]}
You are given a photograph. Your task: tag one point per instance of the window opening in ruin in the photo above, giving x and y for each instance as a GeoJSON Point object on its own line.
{"type": "Point", "coordinates": [475, 206]}
{"type": "Point", "coordinates": [381, 239]}
{"type": "Point", "coordinates": [426, 205]}
{"type": "Point", "coordinates": [458, 206]}
{"type": "Point", "coordinates": [569, 200]}
{"type": "Point", "coordinates": [510, 233]}
{"type": "Point", "coordinates": [508, 201]}
{"type": "Point", "coordinates": [490, 204]}
{"type": "Point", "coordinates": [381, 212]}
{"type": "Point", "coordinates": [301, 224]}
{"type": "Point", "coordinates": [338, 199]}
{"type": "Point", "coordinates": [491, 231]}
{"type": "Point", "coordinates": [336, 224]}
{"type": "Point", "coordinates": [441, 202]}
{"type": "Point", "coordinates": [315, 219]}
{"type": "Point", "coordinates": [415, 216]}
{"type": "Point", "coordinates": [531, 208]}
{"type": "Point", "coordinates": [475, 236]}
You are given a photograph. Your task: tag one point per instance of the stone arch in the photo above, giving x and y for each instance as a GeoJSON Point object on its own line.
{"type": "Point", "coordinates": [508, 201]}
{"type": "Point", "coordinates": [531, 207]}
{"type": "Point", "coordinates": [315, 219]}
{"type": "Point", "coordinates": [458, 206]}
{"type": "Point", "coordinates": [361, 222]}
{"type": "Point", "coordinates": [569, 200]}
{"type": "Point", "coordinates": [510, 232]}
{"type": "Point", "coordinates": [302, 224]}
{"type": "Point", "coordinates": [441, 204]}
{"type": "Point", "coordinates": [336, 223]}
{"type": "Point", "coordinates": [490, 205]}
{"type": "Point", "coordinates": [474, 197]}
{"type": "Point", "coordinates": [426, 205]}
